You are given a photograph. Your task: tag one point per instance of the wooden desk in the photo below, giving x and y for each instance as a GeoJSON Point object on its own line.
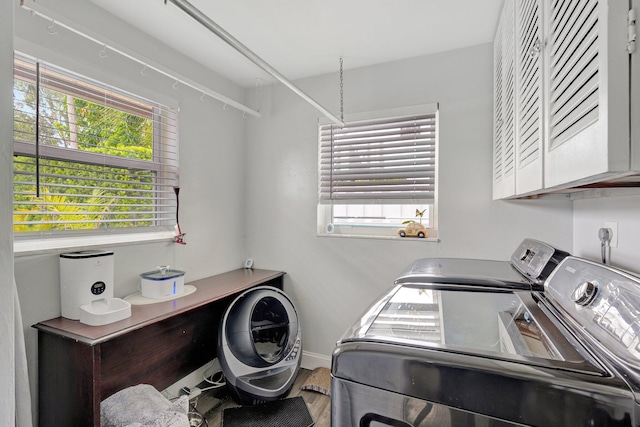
{"type": "Point", "coordinates": [81, 365]}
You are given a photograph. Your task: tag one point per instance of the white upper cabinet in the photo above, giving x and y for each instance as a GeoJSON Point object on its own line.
{"type": "Point", "coordinates": [570, 95]}
{"type": "Point", "coordinates": [504, 103]}
{"type": "Point", "coordinates": [529, 112]}
{"type": "Point", "coordinates": [588, 107]}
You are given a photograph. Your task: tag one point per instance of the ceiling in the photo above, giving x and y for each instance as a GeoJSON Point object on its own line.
{"type": "Point", "coordinates": [303, 38]}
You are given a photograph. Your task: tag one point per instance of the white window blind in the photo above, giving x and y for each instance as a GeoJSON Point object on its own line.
{"type": "Point", "coordinates": [383, 159]}
{"type": "Point", "coordinates": [88, 156]}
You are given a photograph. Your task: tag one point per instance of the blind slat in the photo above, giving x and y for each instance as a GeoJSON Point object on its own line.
{"type": "Point", "coordinates": [412, 132]}
{"type": "Point", "coordinates": [136, 221]}
{"type": "Point", "coordinates": [382, 145]}
{"type": "Point", "coordinates": [391, 123]}
{"type": "Point", "coordinates": [426, 196]}
{"type": "Point", "coordinates": [379, 167]}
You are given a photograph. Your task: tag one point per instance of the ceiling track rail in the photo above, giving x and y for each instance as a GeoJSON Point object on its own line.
{"type": "Point", "coordinates": [205, 21]}
{"type": "Point", "coordinates": [60, 21]}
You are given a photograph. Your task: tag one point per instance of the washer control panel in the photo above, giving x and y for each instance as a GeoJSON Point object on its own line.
{"type": "Point", "coordinates": [536, 259]}
{"type": "Point", "coordinates": [603, 300]}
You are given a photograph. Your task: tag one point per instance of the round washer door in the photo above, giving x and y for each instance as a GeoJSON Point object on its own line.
{"type": "Point", "coordinates": [261, 327]}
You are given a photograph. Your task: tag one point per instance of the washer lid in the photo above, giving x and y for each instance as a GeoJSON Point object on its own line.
{"type": "Point", "coordinates": [531, 263]}
{"type": "Point", "coordinates": [497, 325]}
{"type": "Point", "coordinates": [464, 272]}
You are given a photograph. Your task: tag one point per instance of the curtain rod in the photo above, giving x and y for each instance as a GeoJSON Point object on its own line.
{"type": "Point", "coordinates": [147, 64]}
{"type": "Point", "coordinates": [204, 20]}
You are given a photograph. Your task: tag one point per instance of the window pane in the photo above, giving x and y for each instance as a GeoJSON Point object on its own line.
{"type": "Point", "coordinates": [365, 214]}
{"type": "Point", "coordinates": [103, 159]}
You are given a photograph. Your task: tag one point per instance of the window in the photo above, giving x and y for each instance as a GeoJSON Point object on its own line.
{"type": "Point", "coordinates": [378, 172]}
{"type": "Point", "coordinates": [89, 158]}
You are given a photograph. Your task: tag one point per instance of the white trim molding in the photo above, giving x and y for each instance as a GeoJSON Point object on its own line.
{"type": "Point", "coordinates": [314, 360]}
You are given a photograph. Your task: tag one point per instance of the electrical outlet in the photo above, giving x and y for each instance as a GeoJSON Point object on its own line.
{"type": "Point", "coordinates": [613, 225]}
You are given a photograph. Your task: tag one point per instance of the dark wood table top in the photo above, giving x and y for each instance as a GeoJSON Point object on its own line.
{"type": "Point", "coordinates": [207, 290]}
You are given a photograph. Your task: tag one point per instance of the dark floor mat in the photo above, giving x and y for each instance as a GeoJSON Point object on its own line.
{"type": "Point", "coordinates": [291, 412]}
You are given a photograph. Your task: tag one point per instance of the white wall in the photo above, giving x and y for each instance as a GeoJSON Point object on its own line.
{"type": "Point", "coordinates": [7, 291]}
{"type": "Point", "coordinates": [333, 279]}
{"type": "Point", "coordinates": [211, 154]}
{"type": "Point", "coordinates": [591, 214]}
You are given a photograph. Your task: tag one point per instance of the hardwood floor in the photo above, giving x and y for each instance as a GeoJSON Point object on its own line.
{"type": "Point", "coordinates": [212, 404]}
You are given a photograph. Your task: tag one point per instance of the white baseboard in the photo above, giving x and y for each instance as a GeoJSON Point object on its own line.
{"type": "Point", "coordinates": [315, 360]}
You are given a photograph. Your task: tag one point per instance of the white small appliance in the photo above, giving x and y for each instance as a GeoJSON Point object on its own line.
{"type": "Point", "coordinates": [163, 282]}
{"type": "Point", "coordinates": [86, 288]}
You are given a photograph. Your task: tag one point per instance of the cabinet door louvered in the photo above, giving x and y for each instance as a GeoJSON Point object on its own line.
{"type": "Point", "coordinates": [504, 102]}
{"type": "Point", "coordinates": [588, 88]}
{"type": "Point", "coordinates": [497, 113]}
{"type": "Point", "coordinates": [529, 133]}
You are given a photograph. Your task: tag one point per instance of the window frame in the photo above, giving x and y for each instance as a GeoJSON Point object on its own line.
{"type": "Point", "coordinates": [163, 135]}
{"type": "Point", "coordinates": [325, 222]}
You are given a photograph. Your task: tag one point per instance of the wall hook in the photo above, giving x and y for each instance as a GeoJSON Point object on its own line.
{"type": "Point", "coordinates": [144, 71]}
{"type": "Point", "coordinates": [244, 114]}
{"type": "Point", "coordinates": [175, 84]}
{"type": "Point", "coordinates": [50, 28]}
{"type": "Point", "coordinates": [224, 107]}
{"type": "Point", "coordinates": [103, 52]}
{"type": "Point", "coordinates": [202, 97]}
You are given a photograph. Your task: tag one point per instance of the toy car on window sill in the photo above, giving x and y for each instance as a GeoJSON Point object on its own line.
{"type": "Point", "coordinates": [413, 229]}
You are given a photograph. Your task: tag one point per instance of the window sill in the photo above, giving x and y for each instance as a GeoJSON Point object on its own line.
{"type": "Point", "coordinates": [395, 238]}
{"type": "Point", "coordinates": [57, 244]}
